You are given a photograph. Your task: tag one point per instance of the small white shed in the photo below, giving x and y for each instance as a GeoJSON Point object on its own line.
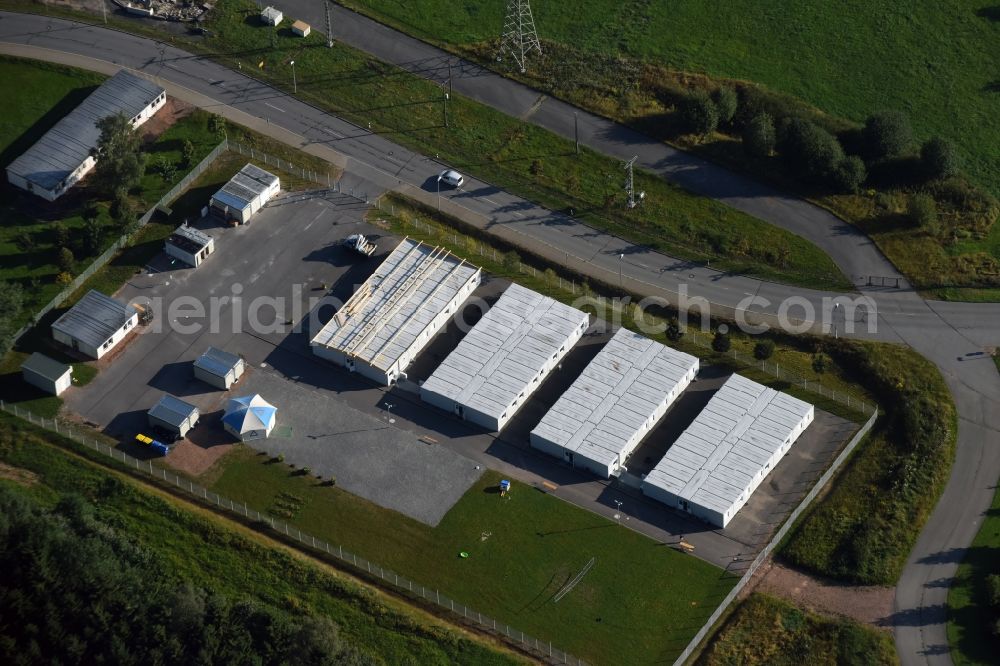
{"type": "Point", "coordinates": [189, 245]}
{"type": "Point", "coordinates": [301, 29]}
{"type": "Point", "coordinates": [245, 193]}
{"type": "Point", "coordinates": [219, 368]}
{"type": "Point", "coordinates": [47, 374]}
{"type": "Point", "coordinates": [173, 415]}
{"type": "Point", "coordinates": [272, 16]}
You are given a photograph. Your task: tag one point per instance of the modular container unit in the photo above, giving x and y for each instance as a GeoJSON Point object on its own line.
{"type": "Point", "coordinates": [245, 194]}
{"type": "Point", "coordinates": [95, 325]}
{"type": "Point", "coordinates": [397, 311]}
{"type": "Point", "coordinates": [47, 374]}
{"type": "Point", "coordinates": [504, 358]}
{"type": "Point", "coordinates": [173, 415]}
{"type": "Point", "coordinates": [728, 450]}
{"type": "Point", "coordinates": [219, 368]}
{"type": "Point", "coordinates": [617, 400]}
{"type": "Point", "coordinates": [189, 245]}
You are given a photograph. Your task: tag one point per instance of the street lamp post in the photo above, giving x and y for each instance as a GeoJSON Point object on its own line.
{"type": "Point", "coordinates": [439, 193]}
{"type": "Point", "coordinates": [295, 83]}
{"type": "Point", "coordinates": [621, 260]}
{"type": "Point", "coordinates": [388, 412]}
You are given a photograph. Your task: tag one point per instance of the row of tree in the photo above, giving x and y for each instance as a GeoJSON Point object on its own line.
{"type": "Point", "coordinates": [76, 591]}
{"type": "Point", "coordinates": [811, 151]}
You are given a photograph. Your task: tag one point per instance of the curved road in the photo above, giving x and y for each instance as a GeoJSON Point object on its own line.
{"type": "Point", "coordinates": [944, 332]}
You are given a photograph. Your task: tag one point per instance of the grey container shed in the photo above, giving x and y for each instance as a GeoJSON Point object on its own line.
{"type": "Point", "coordinates": [173, 415]}
{"type": "Point", "coordinates": [47, 374]}
{"type": "Point", "coordinates": [219, 368]}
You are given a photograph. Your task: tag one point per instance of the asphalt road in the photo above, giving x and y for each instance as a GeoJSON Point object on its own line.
{"type": "Point", "coordinates": [945, 333]}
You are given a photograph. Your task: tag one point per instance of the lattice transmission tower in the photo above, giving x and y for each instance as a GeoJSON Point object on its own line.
{"type": "Point", "coordinates": [519, 36]}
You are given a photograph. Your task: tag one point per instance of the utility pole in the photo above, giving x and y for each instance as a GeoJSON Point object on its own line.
{"type": "Point", "coordinates": [295, 82]}
{"type": "Point", "coordinates": [576, 130]}
{"type": "Point", "coordinates": [445, 107]}
{"type": "Point", "coordinates": [519, 37]}
{"type": "Point", "coordinates": [630, 192]}
{"type": "Point", "coordinates": [329, 25]}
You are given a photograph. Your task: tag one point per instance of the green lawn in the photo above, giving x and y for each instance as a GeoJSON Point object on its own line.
{"type": "Point", "coordinates": [767, 631]}
{"type": "Point", "coordinates": [639, 604]}
{"type": "Point", "coordinates": [196, 547]}
{"type": "Point", "coordinates": [971, 621]}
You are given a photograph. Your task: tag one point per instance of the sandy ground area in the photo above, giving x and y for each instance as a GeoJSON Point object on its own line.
{"type": "Point", "coordinates": [870, 605]}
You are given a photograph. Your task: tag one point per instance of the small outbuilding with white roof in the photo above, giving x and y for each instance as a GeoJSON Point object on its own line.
{"type": "Point", "coordinates": [397, 311]}
{"type": "Point", "coordinates": [96, 324]}
{"type": "Point", "coordinates": [728, 450]}
{"type": "Point", "coordinates": [505, 357]}
{"type": "Point", "coordinates": [245, 194]}
{"type": "Point", "coordinates": [219, 368]}
{"type": "Point", "coordinates": [190, 245]}
{"type": "Point", "coordinates": [617, 400]}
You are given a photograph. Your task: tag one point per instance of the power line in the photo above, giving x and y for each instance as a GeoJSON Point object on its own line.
{"type": "Point", "coordinates": [519, 36]}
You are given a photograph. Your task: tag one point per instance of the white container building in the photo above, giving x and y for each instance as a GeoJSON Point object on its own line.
{"type": "Point", "coordinates": [65, 153]}
{"type": "Point", "coordinates": [617, 400]}
{"type": "Point", "coordinates": [245, 194]}
{"type": "Point", "coordinates": [219, 368]}
{"type": "Point", "coordinates": [95, 325]}
{"type": "Point", "coordinates": [728, 450]}
{"type": "Point", "coordinates": [47, 374]}
{"type": "Point", "coordinates": [173, 415]}
{"type": "Point", "coordinates": [189, 245]}
{"type": "Point", "coordinates": [271, 16]}
{"type": "Point", "coordinates": [397, 311]}
{"type": "Point", "coordinates": [504, 358]}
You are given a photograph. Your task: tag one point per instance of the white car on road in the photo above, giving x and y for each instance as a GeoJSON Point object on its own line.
{"type": "Point", "coordinates": [451, 177]}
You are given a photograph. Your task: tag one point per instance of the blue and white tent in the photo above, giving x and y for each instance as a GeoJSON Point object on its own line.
{"type": "Point", "coordinates": [249, 417]}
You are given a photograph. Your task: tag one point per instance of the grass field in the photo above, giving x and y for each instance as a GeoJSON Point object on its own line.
{"type": "Point", "coordinates": [535, 545]}
{"type": "Point", "coordinates": [209, 552]}
{"type": "Point", "coordinates": [862, 530]}
{"type": "Point", "coordinates": [971, 620]}
{"type": "Point", "coordinates": [765, 631]}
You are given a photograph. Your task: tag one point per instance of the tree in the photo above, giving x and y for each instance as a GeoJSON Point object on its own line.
{"type": "Point", "coordinates": [759, 135]}
{"type": "Point", "coordinates": [727, 102]}
{"type": "Point", "coordinates": [939, 159]}
{"type": "Point", "coordinates": [763, 350]}
{"type": "Point", "coordinates": [120, 162]}
{"type": "Point", "coordinates": [187, 152]}
{"type": "Point", "coordinates": [60, 234]}
{"type": "Point", "coordinates": [11, 302]}
{"type": "Point", "coordinates": [887, 134]}
{"type": "Point", "coordinates": [819, 363]}
{"type": "Point", "coordinates": [66, 260]}
{"type": "Point", "coordinates": [849, 174]}
{"type": "Point", "coordinates": [123, 212]}
{"type": "Point", "coordinates": [698, 113]}
{"type": "Point", "coordinates": [922, 211]}
{"type": "Point", "coordinates": [93, 230]}
{"type": "Point", "coordinates": [809, 149]}
{"type": "Point", "coordinates": [721, 342]}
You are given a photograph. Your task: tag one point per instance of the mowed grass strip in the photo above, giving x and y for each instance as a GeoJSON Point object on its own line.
{"type": "Point", "coordinates": [210, 552]}
{"type": "Point", "coordinates": [972, 620]}
{"type": "Point", "coordinates": [640, 603]}
{"type": "Point", "coordinates": [513, 154]}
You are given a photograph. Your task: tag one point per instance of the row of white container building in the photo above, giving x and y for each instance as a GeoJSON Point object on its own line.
{"type": "Point", "coordinates": [601, 419]}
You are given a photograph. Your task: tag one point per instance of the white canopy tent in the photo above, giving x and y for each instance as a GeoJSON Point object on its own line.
{"type": "Point", "coordinates": [250, 417]}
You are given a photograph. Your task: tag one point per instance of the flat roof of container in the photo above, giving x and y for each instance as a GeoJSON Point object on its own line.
{"type": "Point", "coordinates": [46, 367]}
{"type": "Point", "coordinates": [94, 319]}
{"type": "Point", "coordinates": [249, 182]}
{"type": "Point", "coordinates": [393, 307]}
{"type": "Point", "coordinates": [615, 396]}
{"type": "Point", "coordinates": [71, 140]}
{"type": "Point", "coordinates": [189, 239]}
{"type": "Point", "coordinates": [715, 459]}
{"type": "Point", "coordinates": [505, 352]}
{"type": "Point", "coordinates": [172, 410]}
{"type": "Point", "coordinates": [217, 362]}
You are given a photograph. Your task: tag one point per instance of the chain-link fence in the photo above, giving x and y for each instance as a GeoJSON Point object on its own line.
{"type": "Point", "coordinates": [279, 163]}
{"type": "Point", "coordinates": [537, 648]}
{"type": "Point", "coordinates": [124, 239]}
{"type": "Point", "coordinates": [775, 540]}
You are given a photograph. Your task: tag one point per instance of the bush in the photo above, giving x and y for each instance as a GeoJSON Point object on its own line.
{"type": "Point", "coordinates": [674, 331]}
{"type": "Point", "coordinates": [64, 278]}
{"type": "Point", "coordinates": [809, 149]}
{"type": "Point", "coordinates": [511, 262]}
{"type": "Point", "coordinates": [820, 363]}
{"type": "Point", "coordinates": [759, 136]}
{"type": "Point", "coordinates": [763, 350]}
{"type": "Point", "coordinates": [849, 174]}
{"type": "Point", "coordinates": [216, 125]}
{"type": "Point", "coordinates": [698, 113]}
{"type": "Point", "coordinates": [25, 242]}
{"type": "Point", "coordinates": [187, 152]}
{"type": "Point", "coordinates": [60, 235]}
{"type": "Point", "coordinates": [939, 159]}
{"type": "Point", "coordinates": [993, 590]}
{"type": "Point", "coordinates": [721, 342]}
{"type": "Point", "coordinates": [726, 102]}
{"type": "Point", "coordinates": [922, 211]}
{"type": "Point", "coordinates": [887, 134]}
{"type": "Point", "coordinates": [535, 168]}
{"type": "Point", "coordinates": [66, 260]}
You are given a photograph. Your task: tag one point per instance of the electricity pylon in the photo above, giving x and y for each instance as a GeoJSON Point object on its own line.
{"type": "Point", "coordinates": [519, 36]}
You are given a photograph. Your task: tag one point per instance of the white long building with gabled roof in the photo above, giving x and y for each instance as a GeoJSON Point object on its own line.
{"type": "Point", "coordinates": [397, 311]}
{"type": "Point", "coordinates": [618, 399]}
{"type": "Point", "coordinates": [728, 450]}
{"type": "Point", "coordinates": [505, 357]}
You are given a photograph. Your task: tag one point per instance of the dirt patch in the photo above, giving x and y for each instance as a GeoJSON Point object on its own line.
{"type": "Point", "coordinates": [195, 460]}
{"type": "Point", "coordinates": [172, 111]}
{"type": "Point", "coordinates": [870, 605]}
{"type": "Point", "coordinates": [17, 475]}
